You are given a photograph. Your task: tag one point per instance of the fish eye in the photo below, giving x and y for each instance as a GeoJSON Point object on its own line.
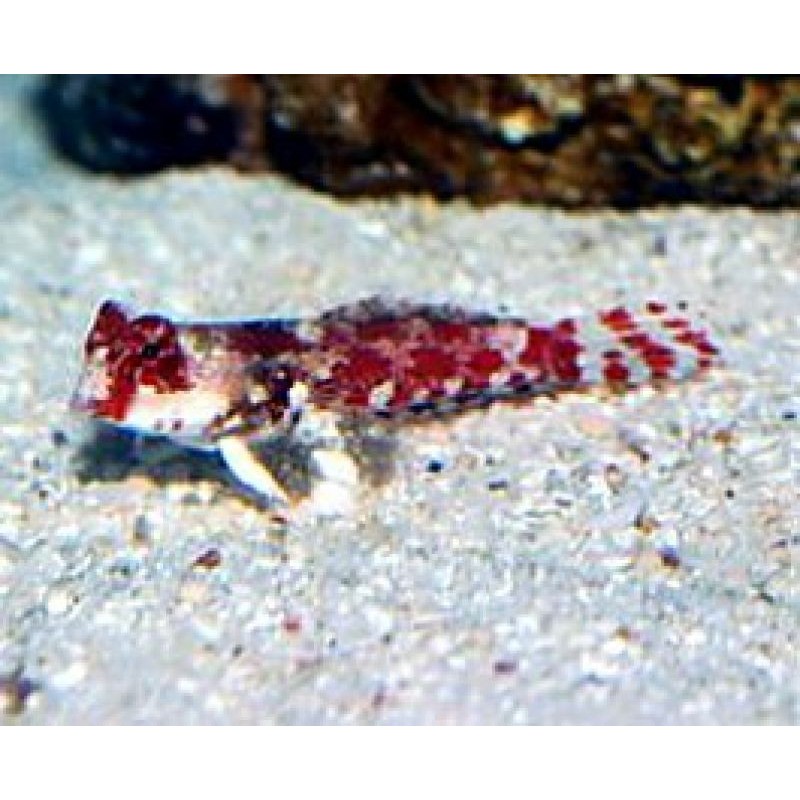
{"type": "Point", "coordinates": [149, 351]}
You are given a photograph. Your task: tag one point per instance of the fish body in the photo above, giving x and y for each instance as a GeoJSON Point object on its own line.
{"type": "Point", "coordinates": [218, 385]}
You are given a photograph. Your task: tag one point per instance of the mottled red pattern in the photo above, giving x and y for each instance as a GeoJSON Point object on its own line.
{"type": "Point", "coordinates": [416, 356]}
{"type": "Point", "coordinates": [143, 351]}
{"type": "Point", "coordinates": [263, 339]}
{"type": "Point", "coordinates": [659, 355]}
{"type": "Point", "coordinates": [353, 379]}
{"type": "Point", "coordinates": [109, 324]}
{"type": "Point", "coordinates": [374, 358]}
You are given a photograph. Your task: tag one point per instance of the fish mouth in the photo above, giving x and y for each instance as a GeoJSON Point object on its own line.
{"type": "Point", "coordinates": [90, 405]}
{"type": "Point", "coordinates": [91, 394]}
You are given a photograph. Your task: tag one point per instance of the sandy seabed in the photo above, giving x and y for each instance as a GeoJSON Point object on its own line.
{"type": "Point", "coordinates": [593, 558]}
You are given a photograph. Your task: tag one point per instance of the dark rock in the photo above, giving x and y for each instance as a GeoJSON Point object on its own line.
{"type": "Point", "coordinates": [572, 140]}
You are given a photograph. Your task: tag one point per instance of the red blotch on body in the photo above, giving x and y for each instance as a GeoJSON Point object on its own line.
{"type": "Point", "coordinates": [263, 339]}
{"type": "Point", "coordinates": [564, 360]}
{"type": "Point", "coordinates": [698, 340]}
{"type": "Point", "coordinates": [167, 373]}
{"type": "Point", "coordinates": [360, 370]}
{"type": "Point", "coordinates": [109, 324]}
{"type": "Point", "coordinates": [365, 366]}
{"type": "Point", "coordinates": [617, 319]}
{"type": "Point", "coordinates": [141, 351]}
{"type": "Point", "coordinates": [675, 323]}
{"type": "Point", "coordinates": [616, 372]}
{"type": "Point", "coordinates": [429, 366]}
{"type": "Point", "coordinates": [115, 405]}
{"type": "Point", "coordinates": [536, 348]}
{"type": "Point", "coordinates": [455, 334]}
{"type": "Point", "coordinates": [565, 328]}
{"type": "Point", "coordinates": [485, 363]}
{"type": "Point", "coordinates": [660, 360]}
{"type": "Point", "coordinates": [636, 341]}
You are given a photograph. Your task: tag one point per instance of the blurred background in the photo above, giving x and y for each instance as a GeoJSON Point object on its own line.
{"type": "Point", "coordinates": [571, 140]}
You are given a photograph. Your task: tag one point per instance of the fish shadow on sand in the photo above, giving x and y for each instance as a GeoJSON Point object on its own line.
{"type": "Point", "coordinates": [112, 454]}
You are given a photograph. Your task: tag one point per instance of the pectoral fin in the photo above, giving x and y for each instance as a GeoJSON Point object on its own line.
{"type": "Point", "coordinates": [333, 495]}
{"type": "Point", "coordinates": [251, 471]}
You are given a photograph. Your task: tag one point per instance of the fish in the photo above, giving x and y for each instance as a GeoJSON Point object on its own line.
{"type": "Point", "coordinates": [225, 385]}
